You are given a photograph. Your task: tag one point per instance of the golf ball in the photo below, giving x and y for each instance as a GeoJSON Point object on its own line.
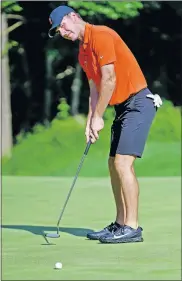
{"type": "Point", "coordinates": [58, 265]}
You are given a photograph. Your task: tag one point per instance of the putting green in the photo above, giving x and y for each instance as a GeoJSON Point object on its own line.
{"type": "Point", "coordinates": [32, 205]}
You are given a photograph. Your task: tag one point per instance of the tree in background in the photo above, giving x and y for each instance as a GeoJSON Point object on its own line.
{"type": "Point", "coordinates": [6, 117]}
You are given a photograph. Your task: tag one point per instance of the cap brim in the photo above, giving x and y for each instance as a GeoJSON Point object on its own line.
{"type": "Point", "coordinates": [52, 31]}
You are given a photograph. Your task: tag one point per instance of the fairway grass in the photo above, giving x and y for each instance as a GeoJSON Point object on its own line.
{"type": "Point", "coordinates": [31, 206]}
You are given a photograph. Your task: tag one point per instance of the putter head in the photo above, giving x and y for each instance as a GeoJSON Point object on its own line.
{"type": "Point", "coordinates": [52, 235]}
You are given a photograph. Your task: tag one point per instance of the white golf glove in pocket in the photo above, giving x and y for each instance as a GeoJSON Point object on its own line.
{"type": "Point", "coordinates": [156, 99]}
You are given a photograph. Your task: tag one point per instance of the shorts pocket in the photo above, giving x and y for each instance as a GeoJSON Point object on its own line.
{"type": "Point", "coordinates": [135, 103]}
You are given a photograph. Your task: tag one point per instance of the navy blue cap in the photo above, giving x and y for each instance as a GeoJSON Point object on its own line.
{"type": "Point", "coordinates": [56, 17]}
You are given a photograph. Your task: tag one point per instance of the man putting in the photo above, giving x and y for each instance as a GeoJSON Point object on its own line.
{"type": "Point", "coordinates": [115, 78]}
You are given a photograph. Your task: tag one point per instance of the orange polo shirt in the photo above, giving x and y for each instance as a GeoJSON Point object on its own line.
{"type": "Point", "coordinates": [102, 46]}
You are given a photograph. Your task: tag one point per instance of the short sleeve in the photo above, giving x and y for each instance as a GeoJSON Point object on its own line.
{"type": "Point", "coordinates": [104, 49]}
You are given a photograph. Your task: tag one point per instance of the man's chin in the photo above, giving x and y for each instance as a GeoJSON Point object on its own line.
{"type": "Point", "coordinates": [71, 39]}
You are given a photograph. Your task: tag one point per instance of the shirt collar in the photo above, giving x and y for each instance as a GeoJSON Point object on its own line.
{"type": "Point", "coordinates": [87, 35]}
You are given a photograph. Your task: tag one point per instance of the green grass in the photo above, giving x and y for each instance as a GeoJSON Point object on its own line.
{"type": "Point", "coordinates": [31, 205]}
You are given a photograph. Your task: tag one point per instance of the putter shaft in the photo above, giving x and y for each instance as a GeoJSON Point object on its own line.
{"type": "Point", "coordinates": [74, 181]}
{"type": "Point", "coordinates": [51, 235]}
{"type": "Point", "coordinates": [68, 196]}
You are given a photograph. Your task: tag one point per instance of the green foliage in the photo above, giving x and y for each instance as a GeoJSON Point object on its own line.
{"type": "Point", "coordinates": [56, 150]}
{"type": "Point", "coordinates": [63, 109]}
{"type": "Point", "coordinates": [112, 10]}
{"type": "Point", "coordinates": [167, 124]}
{"type": "Point", "coordinates": [109, 113]}
{"type": "Point", "coordinates": [47, 148]}
{"type": "Point", "coordinates": [10, 6]}
{"type": "Point", "coordinates": [9, 45]}
{"type": "Point", "coordinates": [152, 5]}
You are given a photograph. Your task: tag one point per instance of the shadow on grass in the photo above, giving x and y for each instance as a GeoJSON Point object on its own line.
{"type": "Point", "coordinates": [42, 230]}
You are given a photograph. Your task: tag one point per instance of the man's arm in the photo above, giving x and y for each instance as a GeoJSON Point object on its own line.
{"type": "Point", "coordinates": [107, 86]}
{"type": "Point", "coordinates": [93, 98]}
{"type": "Point", "coordinates": [106, 57]}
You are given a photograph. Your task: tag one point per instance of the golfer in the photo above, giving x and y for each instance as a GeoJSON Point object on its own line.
{"type": "Point", "coordinates": [115, 79]}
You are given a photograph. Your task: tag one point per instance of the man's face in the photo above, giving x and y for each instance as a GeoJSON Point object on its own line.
{"type": "Point", "coordinates": [68, 28]}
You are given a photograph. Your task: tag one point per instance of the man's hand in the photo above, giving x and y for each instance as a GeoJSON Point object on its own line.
{"type": "Point", "coordinates": [156, 99]}
{"type": "Point", "coordinates": [97, 124]}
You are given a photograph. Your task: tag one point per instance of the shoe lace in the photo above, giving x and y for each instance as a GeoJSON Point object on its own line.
{"type": "Point", "coordinates": [109, 227]}
{"type": "Point", "coordinates": [112, 227]}
{"type": "Point", "coordinates": [115, 229]}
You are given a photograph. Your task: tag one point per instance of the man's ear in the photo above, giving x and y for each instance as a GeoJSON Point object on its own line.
{"type": "Point", "coordinates": [74, 16]}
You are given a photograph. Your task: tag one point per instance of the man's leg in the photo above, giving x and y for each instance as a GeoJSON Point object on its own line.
{"type": "Point", "coordinates": [117, 191]}
{"type": "Point", "coordinates": [119, 200]}
{"type": "Point", "coordinates": [130, 231]}
{"type": "Point", "coordinates": [125, 170]}
{"type": "Point", "coordinates": [130, 133]}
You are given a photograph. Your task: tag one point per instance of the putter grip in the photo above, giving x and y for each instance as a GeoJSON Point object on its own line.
{"type": "Point", "coordinates": [87, 147]}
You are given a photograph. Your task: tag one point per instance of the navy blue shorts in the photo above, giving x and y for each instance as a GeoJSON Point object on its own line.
{"type": "Point", "coordinates": [131, 125]}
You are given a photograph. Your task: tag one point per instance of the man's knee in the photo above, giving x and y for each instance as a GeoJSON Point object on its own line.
{"type": "Point", "coordinates": [124, 163]}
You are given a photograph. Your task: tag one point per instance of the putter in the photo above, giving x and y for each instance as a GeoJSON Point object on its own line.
{"type": "Point", "coordinates": [57, 235]}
